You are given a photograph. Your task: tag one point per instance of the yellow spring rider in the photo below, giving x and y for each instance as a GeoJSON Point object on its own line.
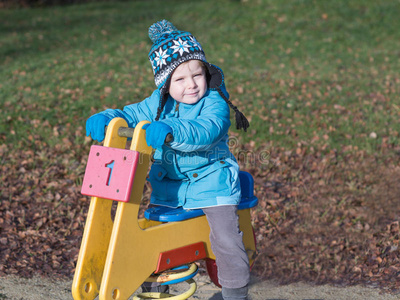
{"type": "Point", "coordinates": [117, 256]}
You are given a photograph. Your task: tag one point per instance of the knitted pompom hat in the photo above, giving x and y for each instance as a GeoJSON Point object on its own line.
{"type": "Point", "coordinates": [172, 47]}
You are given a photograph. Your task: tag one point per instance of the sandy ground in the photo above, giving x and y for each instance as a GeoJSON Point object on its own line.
{"type": "Point", "coordinates": [42, 288]}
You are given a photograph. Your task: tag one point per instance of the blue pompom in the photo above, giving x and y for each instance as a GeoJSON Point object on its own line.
{"type": "Point", "coordinates": [159, 28]}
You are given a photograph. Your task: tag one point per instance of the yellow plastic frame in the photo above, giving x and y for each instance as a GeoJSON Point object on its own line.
{"type": "Point", "coordinates": [115, 258]}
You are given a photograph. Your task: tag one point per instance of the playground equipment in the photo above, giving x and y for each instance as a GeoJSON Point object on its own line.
{"type": "Point", "coordinates": [117, 256]}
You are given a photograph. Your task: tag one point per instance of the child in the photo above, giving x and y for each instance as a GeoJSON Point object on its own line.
{"type": "Point", "coordinates": [196, 169]}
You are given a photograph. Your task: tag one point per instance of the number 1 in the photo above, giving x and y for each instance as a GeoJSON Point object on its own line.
{"type": "Point", "coordinates": [110, 165]}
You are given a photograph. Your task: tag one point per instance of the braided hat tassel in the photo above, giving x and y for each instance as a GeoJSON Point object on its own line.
{"type": "Point", "coordinates": [241, 120]}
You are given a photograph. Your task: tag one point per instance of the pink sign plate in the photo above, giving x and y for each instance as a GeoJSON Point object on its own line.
{"type": "Point", "coordinates": [109, 173]}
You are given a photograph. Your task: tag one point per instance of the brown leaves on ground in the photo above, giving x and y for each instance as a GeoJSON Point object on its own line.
{"type": "Point", "coordinates": [42, 212]}
{"type": "Point", "coordinates": [331, 218]}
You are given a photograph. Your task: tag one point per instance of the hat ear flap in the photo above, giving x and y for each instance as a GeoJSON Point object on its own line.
{"type": "Point", "coordinates": [216, 81]}
{"type": "Point", "coordinates": [215, 77]}
{"type": "Point", "coordinates": [163, 97]}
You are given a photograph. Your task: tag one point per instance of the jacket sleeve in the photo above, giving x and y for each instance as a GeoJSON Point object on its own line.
{"type": "Point", "coordinates": [134, 113]}
{"type": "Point", "coordinates": [203, 132]}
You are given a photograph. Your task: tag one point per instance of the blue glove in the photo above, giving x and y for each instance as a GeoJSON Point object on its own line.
{"type": "Point", "coordinates": [95, 126]}
{"type": "Point", "coordinates": [156, 133]}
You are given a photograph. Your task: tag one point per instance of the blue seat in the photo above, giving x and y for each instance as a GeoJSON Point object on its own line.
{"type": "Point", "coordinates": [169, 214]}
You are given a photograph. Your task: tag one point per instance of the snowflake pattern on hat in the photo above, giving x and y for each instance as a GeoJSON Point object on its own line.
{"type": "Point", "coordinates": [159, 60]}
{"type": "Point", "coordinates": [180, 46]}
{"type": "Point", "coordinates": [171, 48]}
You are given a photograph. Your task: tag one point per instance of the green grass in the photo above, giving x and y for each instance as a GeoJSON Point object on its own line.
{"type": "Point", "coordinates": [322, 74]}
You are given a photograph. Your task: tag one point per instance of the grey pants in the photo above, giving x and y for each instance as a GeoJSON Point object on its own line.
{"type": "Point", "coordinates": [227, 245]}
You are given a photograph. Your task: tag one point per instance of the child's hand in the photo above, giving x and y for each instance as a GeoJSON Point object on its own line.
{"type": "Point", "coordinates": [156, 133]}
{"type": "Point", "coordinates": [95, 126]}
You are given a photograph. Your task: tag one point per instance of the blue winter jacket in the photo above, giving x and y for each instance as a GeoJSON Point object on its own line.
{"type": "Point", "coordinates": [197, 169]}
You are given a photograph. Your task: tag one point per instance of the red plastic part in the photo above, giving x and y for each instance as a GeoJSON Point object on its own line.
{"type": "Point", "coordinates": [212, 271]}
{"type": "Point", "coordinates": [180, 256]}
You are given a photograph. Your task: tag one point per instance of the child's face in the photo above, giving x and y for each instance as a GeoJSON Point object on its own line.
{"type": "Point", "coordinates": [188, 82]}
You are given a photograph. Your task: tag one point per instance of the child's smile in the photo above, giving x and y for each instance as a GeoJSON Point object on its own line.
{"type": "Point", "coordinates": [188, 82]}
